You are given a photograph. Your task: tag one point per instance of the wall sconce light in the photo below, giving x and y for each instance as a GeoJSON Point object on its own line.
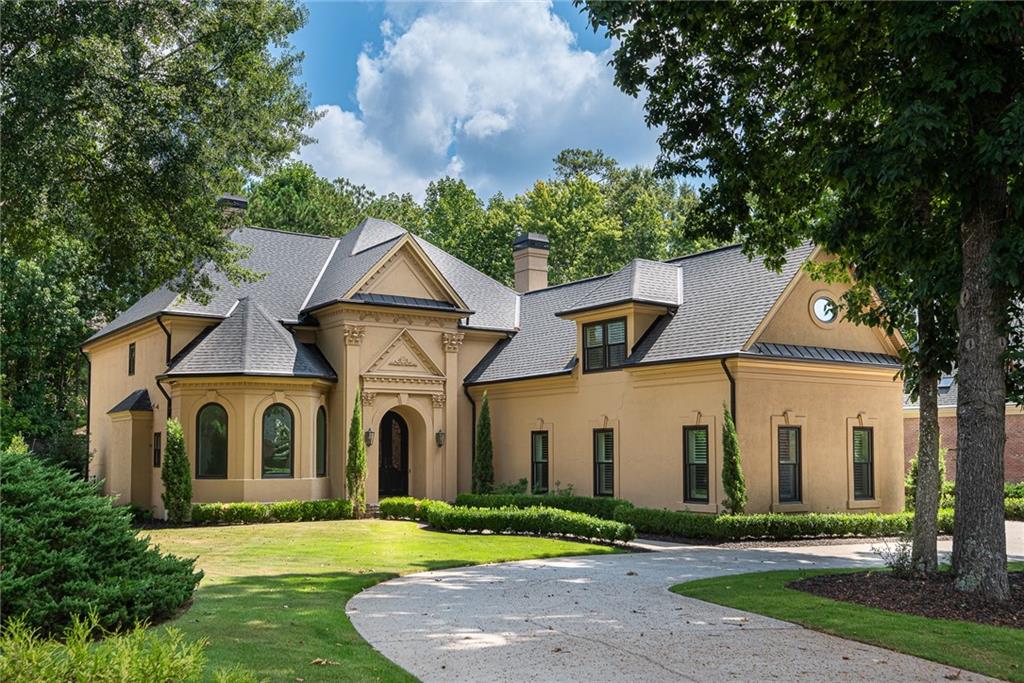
{"type": "Point", "coordinates": [368, 437]}
{"type": "Point", "coordinates": [439, 438]}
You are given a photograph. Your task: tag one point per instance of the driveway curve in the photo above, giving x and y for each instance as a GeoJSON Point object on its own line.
{"type": "Point", "coordinates": [612, 618]}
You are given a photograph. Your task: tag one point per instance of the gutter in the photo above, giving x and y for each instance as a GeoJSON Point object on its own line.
{"type": "Point", "coordinates": [732, 390]}
{"type": "Point", "coordinates": [167, 363]}
{"type": "Point", "coordinates": [88, 410]}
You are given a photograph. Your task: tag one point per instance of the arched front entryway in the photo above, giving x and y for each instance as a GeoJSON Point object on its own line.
{"type": "Point", "coordinates": [393, 457]}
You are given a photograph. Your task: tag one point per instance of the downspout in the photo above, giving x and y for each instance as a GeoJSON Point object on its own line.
{"type": "Point", "coordinates": [472, 433]}
{"type": "Point", "coordinates": [732, 390]}
{"type": "Point", "coordinates": [88, 410]}
{"type": "Point", "coordinates": [167, 363]}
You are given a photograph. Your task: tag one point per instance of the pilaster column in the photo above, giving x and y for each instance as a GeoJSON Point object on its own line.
{"type": "Point", "coordinates": [453, 383]}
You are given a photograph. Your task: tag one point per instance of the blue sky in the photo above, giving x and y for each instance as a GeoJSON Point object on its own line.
{"type": "Point", "coordinates": [487, 92]}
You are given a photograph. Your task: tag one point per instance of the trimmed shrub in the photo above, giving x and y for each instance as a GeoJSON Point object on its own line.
{"type": "Point", "coordinates": [355, 465]}
{"type": "Point", "coordinates": [406, 507]}
{"type": "Point", "coordinates": [513, 487]}
{"type": "Point", "coordinates": [177, 476]}
{"type": "Point", "coordinates": [945, 487]}
{"type": "Point", "coordinates": [771, 527]}
{"type": "Point", "coordinates": [68, 552]}
{"type": "Point", "coordinates": [1015, 509]}
{"type": "Point", "coordinates": [597, 506]}
{"type": "Point", "coordinates": [138, 656]}
{"type": "Point", "coordinates": [483, 458]}
{"type": "Point", "coordinates": [732, 474]}
{"type": "Point", "coordinates": [282, 511]}
{"type": "Point", "coordinates": [1013, 490]}
{"type": "Point", "coordinates": [543, 521]}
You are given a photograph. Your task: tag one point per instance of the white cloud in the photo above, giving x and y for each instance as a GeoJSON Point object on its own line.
{"type": "Point", "coordinates": [488, 91]}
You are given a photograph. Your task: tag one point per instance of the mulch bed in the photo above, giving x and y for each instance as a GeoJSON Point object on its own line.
{"type": "Point", "coordinates": [935, 598]}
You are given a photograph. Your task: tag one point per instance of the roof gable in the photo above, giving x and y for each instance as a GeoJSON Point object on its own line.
{"type": "Point", "coordinates": [406, 271]}
{"type": "Point", "coordinates": [405, 357]}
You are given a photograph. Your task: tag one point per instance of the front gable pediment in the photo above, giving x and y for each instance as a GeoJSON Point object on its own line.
{"type": "Point", "coordinates": [406, 271]}
{"type": "Point", "coordinates": [403, 356]}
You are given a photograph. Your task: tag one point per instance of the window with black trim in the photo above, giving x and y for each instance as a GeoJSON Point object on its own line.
{"type": "Point", "coordinates": [539, 462]}
{"type": "Point", "coordinates": [863, 463]}
{"type": "Point", "coordinates": [212, 442]}
{"type": "Point", "coordinates": [789, 465]}
{"type": "Point", "coordinates": [131, 358]}
{"type": "Point", "coordinates": [695, 467]}
{"type": "Point", "coordinates": [157, 450]}
{"type": "Point", "coordinates": [321, 442]}
{"type": "Point", "coordinates": [278, 442]}
{"type": "Point", "coordinates": [604, 344]}
{"type": "Point", "coordinates": [604, 462]}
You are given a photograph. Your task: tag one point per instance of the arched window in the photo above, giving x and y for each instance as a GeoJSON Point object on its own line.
{"type": "Point", "coordinates": [321, 442]}
{"type": "Point", "coordinates": [278, 442]}
{"type": "Point", "coordinates": [212, 442]}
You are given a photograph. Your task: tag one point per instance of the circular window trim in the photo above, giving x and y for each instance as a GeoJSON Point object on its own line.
{"type": "Point", "coordinates": [822, 294]}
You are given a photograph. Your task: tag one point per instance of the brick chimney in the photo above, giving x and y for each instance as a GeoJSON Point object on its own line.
{"type": "Point", "coordinates": [231, 204]}
{"type": "Point", "coordinates": [530, 256]}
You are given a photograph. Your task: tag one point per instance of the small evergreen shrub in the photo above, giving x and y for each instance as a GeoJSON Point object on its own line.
{"type": "Point", "coordinates": [282, 511]}
{"type": "Point", "coordinates": [177, 476]}
{"type": "Point", "coordinates": [1013, 490]}
{"type": "Point", "coordinates": [732, 473]}
{"type": "Point", "coordinates": [483, 459]}
{"type": "Point", "coordinates": [355, 464]}
{"type": "Point", "coordinates": [945, 487]}
{"type": "Point", "coordinates": [405, 507]}
{"type": "Point", "coordinates": [68, 552]}
{"type": "Point", "coordinates": [1015, 508]}
{"type": "Point", "coordinates": [597, 506]}
{"type": "Point", "coordinates": [140, 655]}
{"type": "Point", "coordinates": [772, 526]}
{"type": "Point", "coordinates": [512, 487]}
{"type": "Point", "coordinates": [534, 520]}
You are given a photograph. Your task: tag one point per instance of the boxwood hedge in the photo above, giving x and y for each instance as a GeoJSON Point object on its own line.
{"type": "Point", "coordinates": [1015, 508]}
{"type": "Point", "coordinates": [283, 511]}
{"type": "Point", "coordinates": [544, 521]}
{"type": "Point", "coordinates": [771, 527]}
{"type": "Point", "coordinates": [596, 507]}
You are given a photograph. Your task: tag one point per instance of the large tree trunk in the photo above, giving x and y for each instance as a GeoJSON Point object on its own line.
{"type": "Point", "coordinates": [979, 536]}
{"type": "Point", "coordinates": [924, 554]}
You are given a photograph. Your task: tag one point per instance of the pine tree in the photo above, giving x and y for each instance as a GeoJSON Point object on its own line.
{"type": "Point", "coordinates": [355, 466]}
{"type": "Point", "coordinates": [483, 463]}
{"type": "Point", "coordinates": [732, 474]}
{"type": "Point", "coordinates": [177, 477]}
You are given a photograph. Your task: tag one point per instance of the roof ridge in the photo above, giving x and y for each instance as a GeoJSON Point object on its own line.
{"type": "Point", "coordinates": [286, 232]}
{"type": "Point", "coordinates": [734, 245]}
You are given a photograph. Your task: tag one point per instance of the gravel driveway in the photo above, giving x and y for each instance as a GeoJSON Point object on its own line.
{"type": "Point", "coordinates": [605, 618]}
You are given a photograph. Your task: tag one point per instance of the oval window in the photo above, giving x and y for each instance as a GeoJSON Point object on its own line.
{"type": "Point", "coordinates": [825, 309]}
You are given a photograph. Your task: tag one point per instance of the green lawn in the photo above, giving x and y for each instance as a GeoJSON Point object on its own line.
{"type": "Point", "coordinates": [990, 650]}
{"type": "Point", "coordinates": [273, 599]}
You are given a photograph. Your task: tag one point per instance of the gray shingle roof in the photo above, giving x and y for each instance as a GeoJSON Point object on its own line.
{"type": "Point", "coordinates": [250, 342]}
{"type": "Point", "coordinates": [289, 262]}
{"type": "Point", "coordinates": [947, 394]}
{"type": "Point", "coordinates": [303, 272]}
{"type": "Point", "coordinates": [724, 294]}
{"type": "Point", "coordinates": [640, 281]}
{"type": "Point", "coordinates": [137, 400]}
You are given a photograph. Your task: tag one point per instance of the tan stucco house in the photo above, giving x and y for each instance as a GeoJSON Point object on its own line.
{"type": "Point", "coordinates": [613, 385]}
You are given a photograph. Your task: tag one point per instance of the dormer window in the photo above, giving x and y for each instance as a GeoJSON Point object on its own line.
{"type": "Point", "coordinates": [604, 344]}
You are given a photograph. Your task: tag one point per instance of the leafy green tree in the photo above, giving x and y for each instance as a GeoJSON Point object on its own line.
{"type": "Point", "coordinates": [355, 463]}
{"type": "Point", "coordinates": [483, 458]}
{"type": "Point", "coordinates": [795, 108]}
{"type": "Point", "coordinates": [295, 198]}
{"type": "Point", "coordinates": [732, 473]}
{"type": "Point", "coordinates": [176, 475]}
{"type": "Point", "coordinates": [122, 123]}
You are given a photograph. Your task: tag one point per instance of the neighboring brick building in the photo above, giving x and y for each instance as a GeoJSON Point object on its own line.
{"type": "Point", "coordinates": [1013, 455]}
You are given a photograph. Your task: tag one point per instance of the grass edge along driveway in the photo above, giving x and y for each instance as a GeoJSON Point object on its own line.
{"type": "Point", "coordinates": [990, 650]}
{"type": "Point", "coordinates": [273, 597]}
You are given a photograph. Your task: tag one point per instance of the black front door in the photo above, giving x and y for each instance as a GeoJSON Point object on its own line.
{"type": "Point", "coordinates": [393, 475]}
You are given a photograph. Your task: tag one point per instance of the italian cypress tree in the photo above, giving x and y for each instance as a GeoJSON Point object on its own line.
{"type": "Point", "coordinates": [355, 466]}
{"type": "Point", "coordinates": [483, 462]}
{"type": "Point", "coordinates": [732, 474]}
{"type": "Point", "coordinates": [177, 476]}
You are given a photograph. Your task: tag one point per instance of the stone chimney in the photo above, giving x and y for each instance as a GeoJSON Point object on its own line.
{"type": "Point", "coordinates": [530, 256]}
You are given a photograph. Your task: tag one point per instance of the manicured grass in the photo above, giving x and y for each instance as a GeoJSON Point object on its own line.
{"type": "Point", "coordinates": [273, 598]}
{"type": "Point", "coordinates": [989, 650]}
